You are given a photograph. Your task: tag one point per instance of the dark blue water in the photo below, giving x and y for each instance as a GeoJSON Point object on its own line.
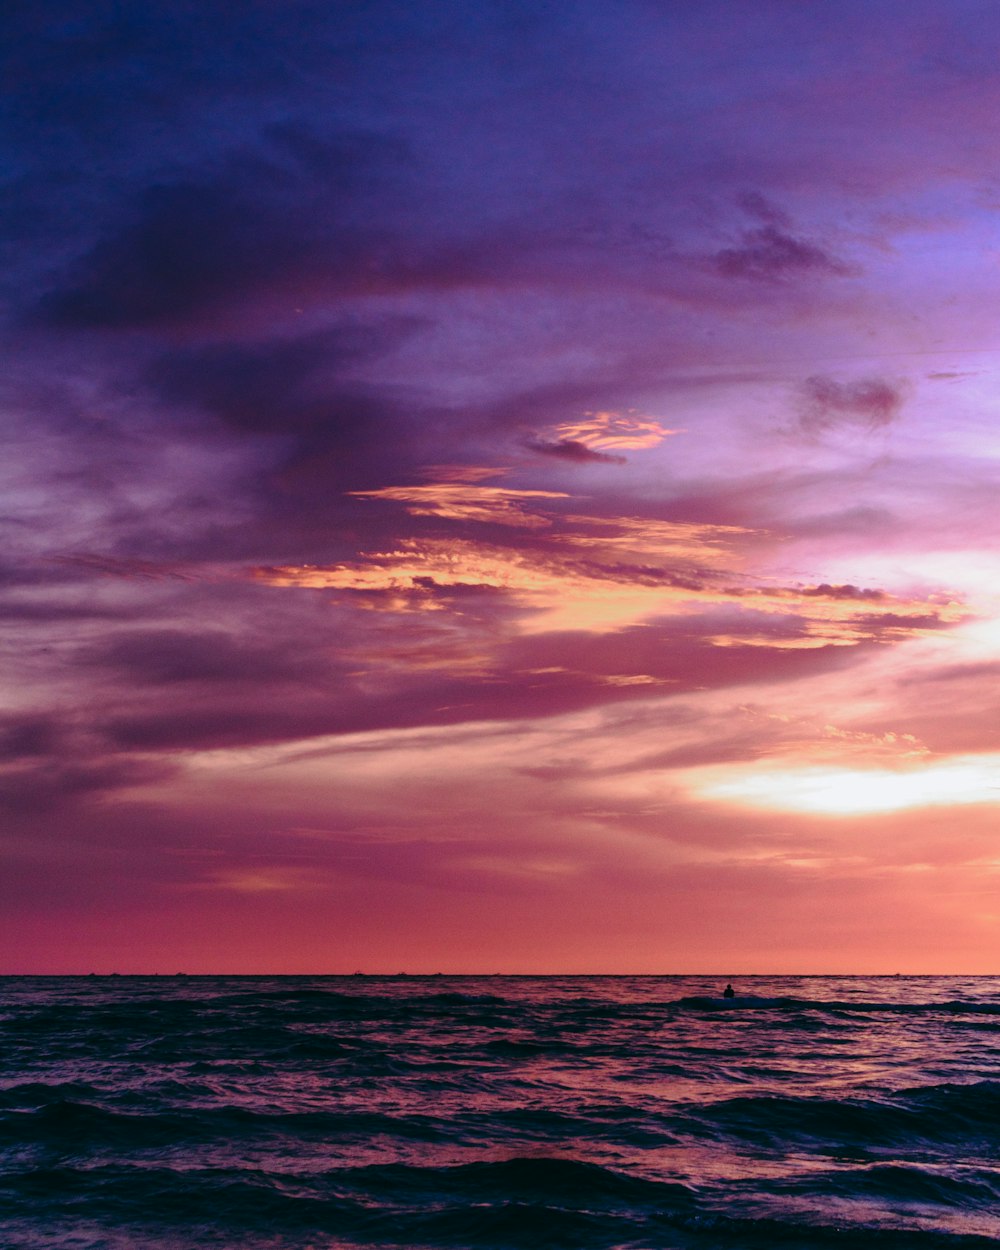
{"type": "Point", "coordinates": [499, 1112]}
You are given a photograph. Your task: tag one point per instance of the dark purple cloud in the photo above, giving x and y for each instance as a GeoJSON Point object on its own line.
{"type": "Point", "coordinates": [288, 386]}
{"type": "Point", "coordinates": [825, 591]}
{"type": "Point", "coordinates": [169, 656]}
{"type": "Point", "coordinates": [769, 254]}
{"type": "Point", "coordinates": [893, 624]}
{"type": "Point", "coordinates": [27, 736]}
{"type": "Point", "coordinates": [278, 223]}
{"type": "Point", "coordinates": [573, 450]}
{"type": "Point", "coordinates": [756, 205]}
{"type": "Point", "coordinates": [680, 656]}
{"type": "Point", "coordinates": [522, 694]}
{"type": "Point", "coordinates": [868, 404]}
{"type": "Point", "coordinates": [44, 786]}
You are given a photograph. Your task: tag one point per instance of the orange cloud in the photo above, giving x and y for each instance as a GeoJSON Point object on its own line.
{"type": "Point", "coordinates": [554, 593]}
{"type": "Point", "coordinates": [556, 590]}
{"type": "Point", "coordinates": [462, 501]}
{"type": "Point", "coordinates": [461, 473]}
{"type": "Point", "coordinates": [615, 431]}
{"type": "Point", "coordinates": [592, 574]}
{"type": "Point", "coordinates": [642, 538]}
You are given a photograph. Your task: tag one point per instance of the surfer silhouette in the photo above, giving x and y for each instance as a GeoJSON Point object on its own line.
{"type": "Point", "coordinates": [729, 992]}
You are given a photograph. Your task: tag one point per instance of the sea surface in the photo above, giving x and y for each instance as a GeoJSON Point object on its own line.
{"type": "Point", "coordinates": [261, 1113]}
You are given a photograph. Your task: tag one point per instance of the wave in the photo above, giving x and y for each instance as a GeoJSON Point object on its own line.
{"type": "Point", "coordinates": [726, 1232]}
{"type": "Point", "coordinates": [742, 1002]}
{"type": "Point", "coordinates": [522, 1179]}
{"type": "Point", "coordinates": [755, 1002]}
{"type": "Point", "coordinates": [378, 1194]}
{"type": "Point", "coordinates": [69, 1126]}
{"type": "Point", "coordinates": [934, 1114]}
{"type": "Point", "coordinates": [31, 1094]}
{"type": "Point", "coordinates": [519, 1202]}
{"type": "Point", "coordinates": [563, 1113]}
{"type": "Point", "coordinates": [899, 1182]}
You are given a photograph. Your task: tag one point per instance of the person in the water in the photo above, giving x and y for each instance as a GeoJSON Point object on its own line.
{"type": "Point", "coordinates": [729, 992]}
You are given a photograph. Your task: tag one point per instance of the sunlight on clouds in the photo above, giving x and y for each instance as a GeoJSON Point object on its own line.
{"type": "Point", "coordinates": [462, 501]}
{"type": "Point", "coordinates": [636, 679]}
{"type": "Point", "coordinates": [642, 538]}
{"type": "Point", "coordinates": [980, 638]}
{"type": "Point", "coordinates": [809, 643]}
{"type": "Point", "coordinates": [554, 598]}
{"type": "Point", "coordinates": [615, 431]}
{"type": "Point", "coordinates": [593, 574]}
{"type": "Point", "coordinates": [557, 589]}
{"type": "Point", "coordinates": [527, 867]}
{"type": "Point", "coordinates": [471, 473]}
{"type": "Point", "coordinates": [418, 564]}
{"type": "Point", "coordinates": [267, 880]}
{"type": "Point", "coordinates": [855, 791]}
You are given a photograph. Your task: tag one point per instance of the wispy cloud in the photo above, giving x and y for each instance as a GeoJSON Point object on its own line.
{"type": "Point", "coordinates": [573, 450]}
{"type": "Point", "coordinates": [770, 254]}
{"type": "Point", "coordinates": [464, 501]}
{"type": "Point", "coordinates": [607, 573]}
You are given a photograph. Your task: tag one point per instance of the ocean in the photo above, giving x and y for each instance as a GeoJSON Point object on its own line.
{"type": "Point", "coordinates": [261, 1113]}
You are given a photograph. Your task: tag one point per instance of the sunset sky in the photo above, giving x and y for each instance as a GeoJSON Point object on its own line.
{"type": "Point", "coordinates": [501, 486]}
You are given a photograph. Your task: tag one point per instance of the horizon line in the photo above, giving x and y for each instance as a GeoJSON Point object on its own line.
{"type": "Point", "coordinates": [485, 975]}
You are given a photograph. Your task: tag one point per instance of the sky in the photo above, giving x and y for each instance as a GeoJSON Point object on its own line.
{"type": "Point", "coordinates": [500, 487]}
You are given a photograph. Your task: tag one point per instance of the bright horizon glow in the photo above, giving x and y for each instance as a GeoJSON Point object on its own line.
{"type": "Point", "coordinates": [831, 791]}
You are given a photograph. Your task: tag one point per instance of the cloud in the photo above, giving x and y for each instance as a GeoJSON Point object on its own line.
{"type": "Point", "coordinates": [571, 449]}
{"type": "Point", "coordinates": [470, 473]}
{"type": "Point", "coordinates": [461, 501]}
{"type": "Point", "coordinates": [769, 254]}
{"type": "Point", "coordinates": [603, 574]}
{"type": "Point", "coordinates": [306, 422]}
{"type": "Point", "coordinates": [24, 737]}
{"type": "Point", "coordinates": [575, 581]}
{"type": "Point", "coordinates": [679, 654]}
{"type": "Point", "coordinates": [39, 785]}
{"type": "Point", "coordinates": [416, 698]}
{"type": "Point", "coordinates": [869, 403]}
{"type": "Point", "coordinates": [842, 791]}
{"type": "Point", "coordinates": [887, 626]}
{"type": "Point", "coordinates": [289, 385]}
{"type": "Point", "coordinates": [169, 656]}
{"type": "Point", "coordinates": [608, 431]}
{"type": "Point", "coordinates": [599, 437]}
{"type": "Point", "coordinates": [757, 205]}
{"type": "Point", "coordinates": [825, 591]}
{"type": "Point", "coordinates": [984, 671]}
{"type": "Point", "coordinates": [189, 249]}
{"type": "Point", "coordinates": [49, 612]}
{"type": "Point", "coordinates": [272, 222]}
{"type": "Point", "coordinates": [133, 568]}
